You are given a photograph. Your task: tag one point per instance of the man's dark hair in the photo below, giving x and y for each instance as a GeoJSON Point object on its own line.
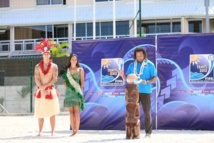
{"type": "Point", "coordinates": [140, 49]}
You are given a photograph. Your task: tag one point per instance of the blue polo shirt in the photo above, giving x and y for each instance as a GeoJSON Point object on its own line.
{"type": "Point", "coordinates": [149, 71]}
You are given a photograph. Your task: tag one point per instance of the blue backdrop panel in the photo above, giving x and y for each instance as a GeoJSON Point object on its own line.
{"type": "Point", "coordinates": [181, 103]}
{"type": "Point", "coordinates": [105, 105]}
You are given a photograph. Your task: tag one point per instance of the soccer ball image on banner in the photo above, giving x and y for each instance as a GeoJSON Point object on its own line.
{"type": "Point", "coordinates": [133, 79]}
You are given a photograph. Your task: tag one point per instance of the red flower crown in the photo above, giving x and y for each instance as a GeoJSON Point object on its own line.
{"type": "Point", "coordinates": [45, 45]}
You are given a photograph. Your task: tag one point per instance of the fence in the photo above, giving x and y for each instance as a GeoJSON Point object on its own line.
{"type": "Point", "coordinates": [17, 84]}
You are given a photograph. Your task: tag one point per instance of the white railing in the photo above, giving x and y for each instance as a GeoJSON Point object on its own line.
{"type": "Point", "coordinates": [101, 37]}
{"type": "Point", "coordinates": [23, 47]}
{"type": "Point", "coordinates": [26, 46]}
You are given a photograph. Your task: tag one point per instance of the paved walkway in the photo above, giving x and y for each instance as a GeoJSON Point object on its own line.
{"type": "Point", "coordinates": [23, 129]}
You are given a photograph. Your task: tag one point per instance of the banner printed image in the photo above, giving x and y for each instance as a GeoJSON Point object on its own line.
{"type": "Point", "coordinates": [100, 99]}
{"type": "Point", "coordinates": [109, 74]}
{"type": "Point", "coordinates": [201, 68]}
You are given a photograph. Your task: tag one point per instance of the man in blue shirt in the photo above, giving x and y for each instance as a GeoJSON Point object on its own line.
{"type": "Point", "coordinates": [145, 71]}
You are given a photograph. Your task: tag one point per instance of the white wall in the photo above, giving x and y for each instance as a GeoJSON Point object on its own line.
{"type": "Point", "coordinates": [14, 103]}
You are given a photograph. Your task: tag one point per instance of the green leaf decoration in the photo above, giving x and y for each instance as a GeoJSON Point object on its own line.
{"type": "Point", "coordinates": [57, 51]}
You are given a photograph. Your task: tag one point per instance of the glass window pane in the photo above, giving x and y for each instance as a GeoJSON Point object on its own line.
{"type": "Point", "coordinates": [100, 0]}
{"type": "Point", "coordinates": [80, 29]}
{"type": "Point", "coordinates": [4, 34]}
{"type": "Point", "coordinates": [176, 27]}
{"type": "Point", "coordinates": [106, 0]}
{"type": "Point", "coordinates": [49, 31]}
{"type": "Point", "coordinates": [43, 2]}
{"type": "Point", "coordinates": [31, 32]}
{"type": "Point", "coordinates": [97, 28]}
{"type": "Point", "coordinates": [38, 32]}
{"type": "Point", "coordinates": [60, 31]}
{"type": "Point", "coordinates": [89, 29]}
{"type": "Point", "coordinates": [4, 3]}
{"type": "Point", "coordinates": [163, 28]}
{"type": "Point", "coordinates": [106, 28]}
{"type": "Point", "coordinates": [148, 28]}
{"type": "Point", "coordinates": [57, 1]}
{"type": "Point", "coordinates": [122, 27]}
{"type": "Point", "coordinates": [195, 26]}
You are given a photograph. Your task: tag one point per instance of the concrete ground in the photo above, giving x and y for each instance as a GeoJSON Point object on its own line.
{"type": "Point", "coordinates": [23, 129]}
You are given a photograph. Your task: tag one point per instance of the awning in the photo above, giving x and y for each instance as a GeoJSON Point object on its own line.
{"type": "Point", "coordinates": [124, 11]}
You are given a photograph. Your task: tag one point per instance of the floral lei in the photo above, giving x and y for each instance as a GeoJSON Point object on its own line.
{"type": "Point", "coordinates": [41, 64]}
{"type": "Point", "coordinates": [141, 68]}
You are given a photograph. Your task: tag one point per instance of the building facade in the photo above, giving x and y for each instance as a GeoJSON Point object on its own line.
{"type": "Point", "coordinates": [23, 23]}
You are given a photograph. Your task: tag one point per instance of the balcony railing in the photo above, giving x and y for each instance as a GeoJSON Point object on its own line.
{"type": "Point", "coordinates": [24, 47]}
{"type": "Point", "coordinates": [101, 37]}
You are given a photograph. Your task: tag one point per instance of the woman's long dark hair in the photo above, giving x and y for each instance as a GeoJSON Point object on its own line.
{"type": "Point", "coordinates": [69, 61]}
{"type": "Point", "coordinates": [68, 65]}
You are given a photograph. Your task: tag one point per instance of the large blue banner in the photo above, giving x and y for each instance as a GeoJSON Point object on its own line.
{"type": "Point", "coordinates": [185, 71]}
{"type": "Point", "coordinates": [182, 97]}
{"type": "Point", "coordinates": [105, 101]}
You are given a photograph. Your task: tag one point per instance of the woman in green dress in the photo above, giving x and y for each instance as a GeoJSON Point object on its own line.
{"type": "Point", "coordinates": [73, 76]}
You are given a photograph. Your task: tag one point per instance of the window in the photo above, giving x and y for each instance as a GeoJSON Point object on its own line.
{"type": "Point", "coordinates": [45, 31]}
{"type": "Point", "coordinates": [60, 31]}
{"type": "Point", "coordinates": [195, 26]}
{"type": "Point", "coordinates": [122, 27]}
{"type": "Point", "coordinates": [176, 27]}
{"type": "Point", "coordinates": [50, 2]}
{"type": "Point", "coordinates": [80, 30]}
{"type": "Point", "coordinates": [4, 3]}
{"type": "Point", "coordinates": [84, 30]}
{"type": "Point", "coordinates": [106, 28]}
{"type": "Point", "coordinates": [32, 32]}
{"type": "Point", "coordinates": [101, 0]}
{"type": "Point", "coordinates": [89, 29]}
{"type": "Point", "coordinates": [149, 28]}
{"type": "Point", "coordinates": [102, 29]}
{"type": "Point", "coordinates": [38, 32]}
{"type": "Point", "coordinates": [49, 31]}
{"type": "Point", "coordinates": [4, 33]}
{"type": "Point", "coordinates": [98, 29]}
{"type": "Point", "coordinates": [161, 27]}
{"type": "Point", "coordinates": [43, 2]}
{"type": "Point", "coordinates": [106, 0]}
